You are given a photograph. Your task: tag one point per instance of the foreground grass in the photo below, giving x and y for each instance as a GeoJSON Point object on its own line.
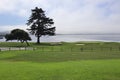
{"type": "Point", "coordinates": [71, 70]}
{"type": "Point", "coordinates": [97, 61]}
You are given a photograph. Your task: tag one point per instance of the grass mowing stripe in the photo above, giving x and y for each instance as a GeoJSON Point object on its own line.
{"type": "Point", "coordinates": [38, 56]}
{"type": "Point", "coordinates": [71, 70]}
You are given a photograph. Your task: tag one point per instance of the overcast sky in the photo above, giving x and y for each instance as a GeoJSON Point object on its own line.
{"type": "Point", "coordinates": [70, 16]}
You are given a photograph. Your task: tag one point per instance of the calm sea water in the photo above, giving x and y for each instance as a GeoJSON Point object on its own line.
{"type": "Point", "coordinates": [74, 38]}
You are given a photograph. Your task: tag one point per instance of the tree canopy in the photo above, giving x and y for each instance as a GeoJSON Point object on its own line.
{"type": "Point", "coordinates": [40, 24]}
{"type": "Point", "coordinates": [18, 34]}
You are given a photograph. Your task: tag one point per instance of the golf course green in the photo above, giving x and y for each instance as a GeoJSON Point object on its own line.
{"type": "Point", "coordinates": [61, 61]}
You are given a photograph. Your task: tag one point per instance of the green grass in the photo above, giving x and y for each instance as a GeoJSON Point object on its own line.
{"type": "Point", "coordinates": [12, 44]}
{"type": "Point", "coordinates": [97, 61]}
{"type": "Point", "coordinates": [46, 56]}
{"type": "Point", "coordinates": [71, 70]}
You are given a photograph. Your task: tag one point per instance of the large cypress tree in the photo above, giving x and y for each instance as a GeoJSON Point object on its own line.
{"type": "Point", "coordinates": [40, 24]}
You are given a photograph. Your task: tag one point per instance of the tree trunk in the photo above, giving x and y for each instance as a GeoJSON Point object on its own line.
{"type": "Point", "coordinates": [27, 43]}
{"type": "Point", "coordinates": [38, 39]}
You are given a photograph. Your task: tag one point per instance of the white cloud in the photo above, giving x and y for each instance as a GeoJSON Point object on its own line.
{"type": "Point", "coordinates": [11, 27]}
{"type": "Point", "coordinates": [22, 13]}
{"type": "Point", "coordinates": [20, 7]}
{"type": "Point", "coordinates": [89, 18]}
{"type": "Point", "coordinates": [72, 16]}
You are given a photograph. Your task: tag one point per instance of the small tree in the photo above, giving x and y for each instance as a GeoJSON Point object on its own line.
{"type": "Point", "coordinates": [40, 24]}
{"type": "Point", "coordinates": [18, 34]}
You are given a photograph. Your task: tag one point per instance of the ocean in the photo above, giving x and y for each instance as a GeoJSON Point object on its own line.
{"type": "Point", "coordinates": [76, 38]}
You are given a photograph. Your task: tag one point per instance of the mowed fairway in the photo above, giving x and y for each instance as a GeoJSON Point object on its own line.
{"type": "Point", "coordinates": [91, 61]}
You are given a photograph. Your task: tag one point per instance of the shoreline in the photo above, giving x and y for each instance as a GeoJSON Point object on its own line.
{"type": "Point", "coordinates": [75, 38]}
